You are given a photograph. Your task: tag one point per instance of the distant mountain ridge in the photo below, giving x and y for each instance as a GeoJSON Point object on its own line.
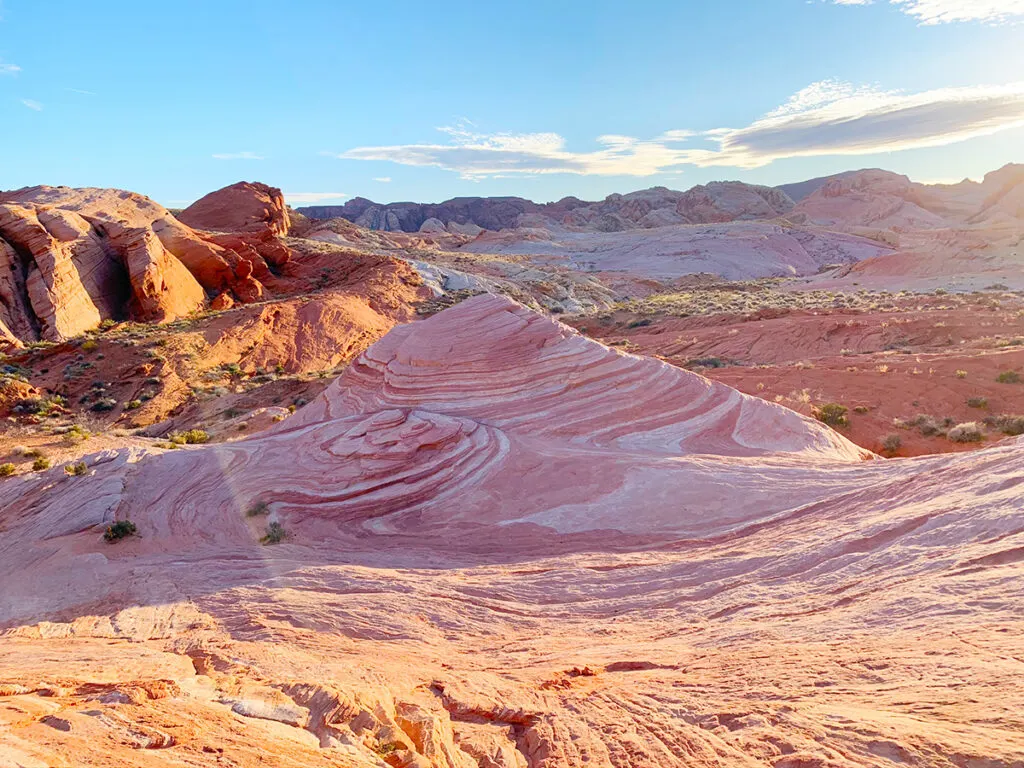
{"type": "Point", "coordinates": [716, 202]}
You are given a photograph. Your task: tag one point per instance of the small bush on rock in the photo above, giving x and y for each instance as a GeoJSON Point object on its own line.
{"type": "Point", "coordinates": [275, 534]}
{"type": "Point", "coordinates": [189, 437]}
{"type": "Point", "coordinates": [119, 530]}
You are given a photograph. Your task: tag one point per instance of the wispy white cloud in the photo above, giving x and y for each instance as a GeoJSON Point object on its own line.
{"type": "Point", "coordinates": [948, 11]}
{"type": "Point", "coordinates": [8, 69]}
{"type": "Point", "coordinates": [34, 105]}
{"type": "Point", "coordinates": [79, 90]}
{"type": "Point", "coordinates": [238, 156]}
{"type": "Point", "coordinates": [475, 155]}
{"type": "Point", "coordinates": [383, 179]}
{"type": "Point", "coordinates": [825, 118]}
{"type": "Point", "coordinates": [313, 197]}
{"type": "Point", "coordinates": [832, 118]}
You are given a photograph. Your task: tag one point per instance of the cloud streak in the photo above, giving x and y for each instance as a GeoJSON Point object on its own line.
{"type": "Point", "coordinates": [833, 118]}
{"type": "Point", "coordinates": [931, 12]}
{"type": "Point", "coordinates": [33, 105]}
{"type": "Point", "coordinates": [238, 156]}
{"type": "Point", "coordinates": [8, 69]}
{"type": "Point", "coordinates": [825, 118]}
{"type": "Point", "coordinates": [313, 197]}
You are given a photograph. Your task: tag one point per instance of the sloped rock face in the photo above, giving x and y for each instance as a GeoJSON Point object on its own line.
{"type": "Point", "coordinates": [507, 347]}
{"type": "Point", "coordinates": [70, 258]}
{"type": "Point", "coordinates": [871, 198]}
{"type": "Point", "coordinates": [1004, 196]}
{"type": "Point", "coordinates": [243, 207]}
{"type": "Point", "coordinates": [503, 545]}
{"type": "Point", "coordinates": [60, 278]}
{"type": "Point", "coordinates": [736, 250]}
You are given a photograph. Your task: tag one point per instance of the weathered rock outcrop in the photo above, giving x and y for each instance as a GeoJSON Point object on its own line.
{"type": "Point", "coordinates": [873, 198]}
{"type": "Point", "coordinates": [70, 258]}
{"type": "Point", "coordinates": [247, 206]}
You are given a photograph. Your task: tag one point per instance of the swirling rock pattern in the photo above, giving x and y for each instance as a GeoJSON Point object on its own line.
{"type": "Point", "coordinates": [492, 360]}
{"type": "Point", "coordinates": [507, 546]}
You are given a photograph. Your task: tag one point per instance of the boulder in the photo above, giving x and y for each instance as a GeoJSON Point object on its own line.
{"type": "Point", "coordinates": [247, 206]}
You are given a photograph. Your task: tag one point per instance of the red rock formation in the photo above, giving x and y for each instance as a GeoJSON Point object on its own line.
{"type": "Point", "coordinates": [70, 258]}
{"type": "Point", "coordinates": [242, 207]}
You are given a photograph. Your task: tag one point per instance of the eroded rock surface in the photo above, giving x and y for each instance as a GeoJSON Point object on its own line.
{"type": "Point", "coordinates": [503, 545]}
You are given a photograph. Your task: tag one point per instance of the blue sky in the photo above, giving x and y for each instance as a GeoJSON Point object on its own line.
{"type": "Point", "coordinates": [413, 101]}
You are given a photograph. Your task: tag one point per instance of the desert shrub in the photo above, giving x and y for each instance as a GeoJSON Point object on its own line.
{"type": "Point", "coordinates": [50, 405]}
{"type": "Point", "coordinates": [7, 469]}
{"type": "Point", "coordinates": [832, 414]}
{"type": "Point", "coordinates": [104, 404]}
{"type": "Point", "coordinates": [1009, 425]}
{"type": "Point", "coordinates": [891, 443]}
{"type": "Point", "coordinates": [189, 437]}
{"type": "Point", "coordinates": [1008, 377]}
{"type": "Point", "coordinates": [640, 323]}
{"type": "Point", "coordinates": [107, 324]}
{"type": "Point", "coordinates": [257, 509]}
{"type": "Point", "coordinates": [705, 362]}
{"type": "Point", "coordinates": [275, 534]}
{"type": "Point", "coordinates": [977, 402]}
{"type": "Point", "coordinates": [861, 409]}
{"type": "Point", "coordinates": [232, 369]}
{"type": "Point", "coordinates": [28, 405]}
{"type": "Point", "coordinates": [961, 374]}
{"type": "Point", "coordinates": [119, 530]}
{"type": "Point", "coordinates": [76, 433]}
{"type": "Point", "coordinates": [927, 425]}
{"type": "Point", "coordinates": [89, 345]}
{"type": "Point", "coordinates": [968, 432]}
{"type": "Point", "coordinates": [40, 464]}
{"type": "Point", "coordinates": [77, 469]}
{"type": "Point", "coordinates": [383, 750]}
